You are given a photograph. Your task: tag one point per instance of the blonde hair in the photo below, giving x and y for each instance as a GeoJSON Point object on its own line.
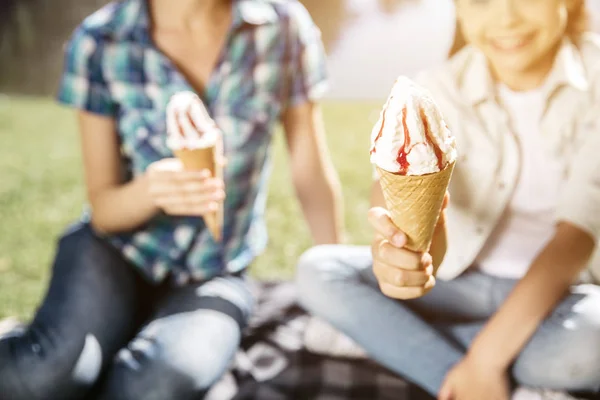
{"type": "Point", "coordinates": [577, 24]}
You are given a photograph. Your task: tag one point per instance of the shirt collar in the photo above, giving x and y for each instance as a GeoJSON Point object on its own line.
{"type": "Point", "coordinates": [478, 85]}
{"type": "Point", "coordinates": [133, 18]}
{"type": "Point", "coordinates": [128, 20]}
{"type": "Point", "coordinates": [568, 69]}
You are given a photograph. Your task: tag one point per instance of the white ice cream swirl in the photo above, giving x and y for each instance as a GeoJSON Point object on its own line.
{"type": "Point", "coordinates": [411, 137]}
{"type": "Point", "coordinates": [189, 126]}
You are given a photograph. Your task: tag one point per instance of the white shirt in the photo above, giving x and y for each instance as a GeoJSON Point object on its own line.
{"type": "Point", "coordinates": [489, 165]}
{"type": "Point", "coordinates": [528, 223]}
{"type": "Point", "coordinates": [594, 8]}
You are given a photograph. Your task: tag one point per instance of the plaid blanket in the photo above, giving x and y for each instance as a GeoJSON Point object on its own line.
{"type": "Point", "coordinates": [273, 364]}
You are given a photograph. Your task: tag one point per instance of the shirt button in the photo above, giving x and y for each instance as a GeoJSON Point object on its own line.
{"type": "Point", "coordinates": [501, 185]}
{"type": "Point", "coordinates": [479, 230]}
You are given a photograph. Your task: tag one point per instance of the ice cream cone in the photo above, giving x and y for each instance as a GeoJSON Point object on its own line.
{"type": "Point", "coordinates": [415, 202]}
{"type": "Point", "coordinates": [197, 160]}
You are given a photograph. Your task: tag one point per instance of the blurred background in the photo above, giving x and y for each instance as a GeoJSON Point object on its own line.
{"type": "Point", "coordinates": [369, 43]}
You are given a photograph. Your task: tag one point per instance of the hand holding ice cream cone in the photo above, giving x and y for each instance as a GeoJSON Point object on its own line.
{"type": "Point", "coordinates": [402, 273]}
{"type": "Point", "coordinates": [197, 143]}
{"type": "Point", "coordinates": [414, 154]}
{"type": "Point", "coordinates": [179, 192]}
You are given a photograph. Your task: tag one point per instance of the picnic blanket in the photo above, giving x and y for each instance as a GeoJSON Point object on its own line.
{"type": "Point", "coordinates": [274, 364]}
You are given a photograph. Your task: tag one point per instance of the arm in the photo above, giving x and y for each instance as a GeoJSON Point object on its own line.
{"type": "Point", "coordinates": [116, 207]}
{"type": "Point", "coordinates": [557, 265]}
{"type": "Point", "coordinates": [544, 285]}
{"type": "Point", "coordinates": [165, 186]}
{"type": "Point", "coordinates": [484, 370]}
{"type": "Point", "coordinates": [313, 175]}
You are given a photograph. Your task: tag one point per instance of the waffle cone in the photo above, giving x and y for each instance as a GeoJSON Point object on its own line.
{"type": "Point", "coordinates": [197, 160]}
{"type": "Point", "coordinates": [414, 203]}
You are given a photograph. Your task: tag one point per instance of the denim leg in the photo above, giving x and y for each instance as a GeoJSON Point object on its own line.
{"type": "Point", "coordinates": [86, 316]}
{"type": "Point", "coordinates": [564, 352]}
{"type": "Point", "coordinates": [337, 284]}
{"type": "Point", "coordinates": [187, 345]}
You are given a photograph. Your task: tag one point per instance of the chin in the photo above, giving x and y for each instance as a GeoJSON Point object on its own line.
{"type": "Point", "coordinates": [516, 65]}
{"type": "Point", "coordinates": [517, 62]}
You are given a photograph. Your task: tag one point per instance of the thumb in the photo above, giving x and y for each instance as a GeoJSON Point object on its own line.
{"type": "Point", "coordinates": [381, 221]}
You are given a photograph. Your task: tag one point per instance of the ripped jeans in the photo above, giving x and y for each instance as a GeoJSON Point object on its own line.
{"type": "Point", "coordinates": [104, 333]}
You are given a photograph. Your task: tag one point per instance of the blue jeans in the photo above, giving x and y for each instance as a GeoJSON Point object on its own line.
{"type": "Point", "coordinates": [103, 330]}
{"type": "Point", "coordinates": [422, 339]}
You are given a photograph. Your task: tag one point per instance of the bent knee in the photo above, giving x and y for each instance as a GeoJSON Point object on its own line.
{"type": "Point", "coordinates": [158, 379]}
{"type": "Point", "coordinates": [58, 372]}
{"type": "Point", "coordinates": [574, 365]}
{"type": "Point", "coordinates": [327, 263]}
{"type": "Point", "coordinates": [177, 357]}
{"type": "Point", "coordinates": [324, 272]}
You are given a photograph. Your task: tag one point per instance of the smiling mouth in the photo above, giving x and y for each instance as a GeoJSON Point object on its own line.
{"type": "Point", "coordinates": [511, 43]}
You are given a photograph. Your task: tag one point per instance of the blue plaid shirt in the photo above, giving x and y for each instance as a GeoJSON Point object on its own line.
{"type": "Point", "coordinates": [274, 59]}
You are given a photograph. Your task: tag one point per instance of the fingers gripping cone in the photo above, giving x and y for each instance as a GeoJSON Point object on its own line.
{"type": "Point", "coordinates": [198, 160]}
{"type": "Point", "coordinates": [198, 143]}
{"type": "Point", "coordinates": [415, 202]}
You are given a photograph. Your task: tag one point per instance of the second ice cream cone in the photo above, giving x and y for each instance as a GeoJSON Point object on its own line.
{"type": "Point", "coordinates": [197, 160]}
{"type": "Point", "coordinates": [415, 202]}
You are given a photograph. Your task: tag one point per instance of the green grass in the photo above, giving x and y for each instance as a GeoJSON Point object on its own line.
{"type": "Point", "coordinates": [41, 192]}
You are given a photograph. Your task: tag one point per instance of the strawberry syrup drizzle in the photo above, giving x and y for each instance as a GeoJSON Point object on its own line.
{"type": "Point", "coordinates": [405, 149]}
{"type": "Point", "coordinates": [188, 114]}
{"type": "Point", "coordinates": [428, 136]}
{"type": "Point", "coordinates": [374, 149]}
{"type": "Point", "coordinates": [179, 126]}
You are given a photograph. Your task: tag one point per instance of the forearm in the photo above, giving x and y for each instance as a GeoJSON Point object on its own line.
{"type": "Point", "coordinates": [533, 298]}
{"type": "Point", "coordinates": [322, 205]}
{"type": "Point", "coordinates": [315, 179]}
{"type": "Point", "coordinates": [122, 208]}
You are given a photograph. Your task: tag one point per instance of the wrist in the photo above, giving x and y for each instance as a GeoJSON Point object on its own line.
{"type": "Point", "coordinates": [487, 358]}
{"type": "Point", "coordinates": [143, 183]}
